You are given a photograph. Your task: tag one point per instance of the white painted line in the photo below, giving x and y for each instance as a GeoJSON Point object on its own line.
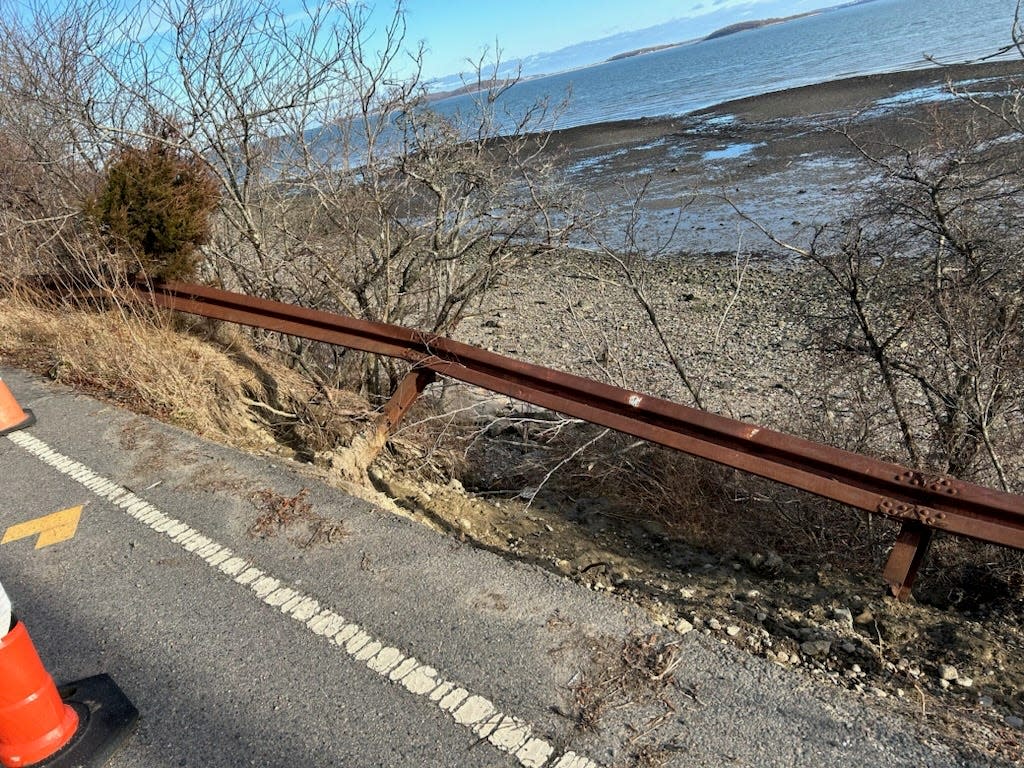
{"type": "Point", "coordinates": [478, 714]}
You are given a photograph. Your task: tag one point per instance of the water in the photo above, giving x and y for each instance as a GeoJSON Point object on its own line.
{"type": "Point", "coordinates": [881, 36]}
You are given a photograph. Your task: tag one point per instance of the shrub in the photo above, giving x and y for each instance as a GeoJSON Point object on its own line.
{"type": "Point", "coordinates": [155, 204]}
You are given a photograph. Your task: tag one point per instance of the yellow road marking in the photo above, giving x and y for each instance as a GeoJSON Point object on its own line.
{"type": "Point", "coordinates": [52, 529]}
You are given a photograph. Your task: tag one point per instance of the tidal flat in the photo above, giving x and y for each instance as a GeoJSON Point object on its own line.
{"type": "Point", "coordinates": [788, 161]}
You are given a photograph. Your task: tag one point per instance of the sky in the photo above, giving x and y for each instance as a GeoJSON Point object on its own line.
{"type": "Point", "coordinates": [456, 30]}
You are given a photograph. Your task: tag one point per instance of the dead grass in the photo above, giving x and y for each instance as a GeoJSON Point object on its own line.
{"type": "Point", "coordinates": [208, 380]}
{"type": "Point", "coordinates": [649, 756]}
{"type": "Point", "coordinates": [638, 670]}
{"type": "Point", "coordinates": [683, 498]}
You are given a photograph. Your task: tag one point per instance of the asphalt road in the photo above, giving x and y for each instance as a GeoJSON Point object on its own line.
{"type": "Point", "coordinates": [382, 644]}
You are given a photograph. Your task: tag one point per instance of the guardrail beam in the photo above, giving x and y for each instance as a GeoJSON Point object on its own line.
{"type": "Point", "coordinates": [922, 503]}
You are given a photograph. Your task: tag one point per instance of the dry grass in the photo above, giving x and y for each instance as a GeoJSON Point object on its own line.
{"type": "Point", "coordinates": [209, 381]}
{"type": "Point", "coordinates": [695, 501]}
{"type": "Point", "coordinates": [640, 669]}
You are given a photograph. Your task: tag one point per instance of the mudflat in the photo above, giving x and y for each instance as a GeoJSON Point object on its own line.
{"type": "Point", "coordinates": [788, 159]}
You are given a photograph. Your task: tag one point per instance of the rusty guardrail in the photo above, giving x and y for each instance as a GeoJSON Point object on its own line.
{"type": "Point", "coordinates": [922, 503]}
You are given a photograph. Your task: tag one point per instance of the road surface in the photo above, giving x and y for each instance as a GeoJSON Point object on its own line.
{"type": "Point", "coordinates": [351, 637]}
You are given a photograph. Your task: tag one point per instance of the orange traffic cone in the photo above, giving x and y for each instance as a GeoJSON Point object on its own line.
{"type": "Point", "coordinates": [79, 725]}
{"type": "Point", "coordinates": [34, 721]}
{"type": "Point", "coordinates": [12, 415]}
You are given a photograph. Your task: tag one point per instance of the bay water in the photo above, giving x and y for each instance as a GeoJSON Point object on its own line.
{"type": "Point", "coordinates": [880, 36]}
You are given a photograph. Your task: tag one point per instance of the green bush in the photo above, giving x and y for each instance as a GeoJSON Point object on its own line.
{"type": "Point", "coordinates": [154, 204]}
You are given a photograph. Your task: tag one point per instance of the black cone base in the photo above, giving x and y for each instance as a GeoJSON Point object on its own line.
{"type": "Point", "coordinates": [28, 421]}
{"type": "Point", "coordinates": [105, 721]}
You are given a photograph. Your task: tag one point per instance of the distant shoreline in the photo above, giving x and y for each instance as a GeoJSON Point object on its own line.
{"type": "Point", "coordinates": [726, 31]}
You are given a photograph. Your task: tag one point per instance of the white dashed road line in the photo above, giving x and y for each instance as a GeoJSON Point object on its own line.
{"type": "Point", "coordinates": [481, 716]}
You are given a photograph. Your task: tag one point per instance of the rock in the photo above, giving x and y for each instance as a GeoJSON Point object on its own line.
{"type": "Point", "coordinates": [687, 593]}
{"type": "Point", "coordinates": [660, 615]}
{"type": "Point", "coordinates": [984, 701]}
{"type": "Point", "coordinates": [714, 624]}
{"type": "Point", "coordinates": [864, 617]}
{"type": "Point", "coordinates": [1013, 721]}
{"type": "Point", "coordinates": [816, 648]}
{"type": "Point", "coordinates": [732, 631]}
{"type": "Point", "coordinates": [655, 528]}
{"type": "Point", "coordinates": [965, 682]}
{"type": "Point", "coordinates": [773, 562]}
{"type": "Point", "coordinates": [947, 672]}
{"type": "Point", "coordinates": [844, 616]}
{"type": "Point", "coordinates": [619, 575]}
{"type": "Point", "coordinates": [683, 626]}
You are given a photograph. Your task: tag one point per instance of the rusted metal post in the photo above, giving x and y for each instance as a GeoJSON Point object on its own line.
{"type": "Point", "coordinates": [906, 558]}
{"type": "Point", "coordinates": [406, 394]}
{"type": "Point", "coordinates": [367, 446]}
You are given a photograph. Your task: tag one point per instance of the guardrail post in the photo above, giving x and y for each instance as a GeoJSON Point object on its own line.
{"type": "Point", "coordinates": [905, 559]}
{"type": "Point", "coordinates": [406, 394]}
{"type": "Point", "coordinates": [367, 446]}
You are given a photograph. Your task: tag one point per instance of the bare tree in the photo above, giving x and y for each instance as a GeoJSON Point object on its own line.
{"type": "Point", "coordinates": [924, 284]}
{"type": "Point", "coordinates": [340, 187]}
